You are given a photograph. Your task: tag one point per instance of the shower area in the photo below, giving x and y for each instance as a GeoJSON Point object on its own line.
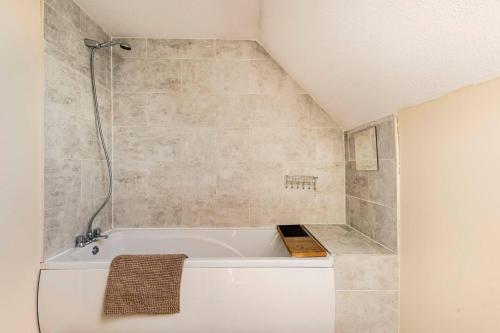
{"type": "Point", "coordinates": [205, 145]}
{"type": "Point", "coordinates": [199, 133]}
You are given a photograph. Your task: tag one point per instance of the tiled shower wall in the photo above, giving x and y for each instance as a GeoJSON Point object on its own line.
{"type": "Point", "coordinates": [204, 132]}
{"type": "Point", "coordinates": [371, 196]}
{"type": "Point", "coordinates": [75, 172]}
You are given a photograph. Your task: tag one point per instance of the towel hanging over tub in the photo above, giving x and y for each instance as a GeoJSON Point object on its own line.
{"type": "Point", "coordinates": [147, 284]}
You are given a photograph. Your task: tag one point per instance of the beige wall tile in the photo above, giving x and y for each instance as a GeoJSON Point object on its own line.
{"type": "Point", "coordinates": [232, 144]}
{"type": "Point", "coordinates": [329, 145]}
{"type": "Point", "coordinates": [182, 110]}
{"type": "Point", "coordinates": [232, 76]}
{"type": "Point", "coordinates": [62, 33]}
{"type": "Point", "coordinates": [147, 143]}
{"type": "Point", "coordinates": [130, 109]}
{"type": "Point", "coordinates": [198, 76]}
{"type": "Point", "coordinates": [199, 179]}
{"type": "Point", "coordinates": [139, 48]}
{"type": "Point", "coordinates": [200, 48]}
{"type": "Point", "coordinates": [267, 210]}
{"type": "Point", "coordinates": [68, 9]}
{"type": "Point", "coordinates": [224, 147]}
{"type": "Point", "coordinates": [232, 111]}
{"type": "Point", "coordinates": [199, 110]}
{"type": "Point", "coordinates": [200, 146]}
{"type": "Point", "coordinates": [233, 177]}
{"type": "Point", "coordinates": [240, 49]}
{"type": "Point", "coordinates": [318, 117]}
{"type": "Point", "coordinates": [232, 210]}
{"type": "Point", "coordinates": [366, 272]}
{"type": "Point", "coordinates": [366, 311]}
{"type": "Point", "coordinates": [62, 89]}
{"type": "Point", "coordinates": [61, 226]}
{"type": "Point", "coordinates": [167, 48]}
{"type": "Point", "coordinates": [180, 48]}
{"type": "Point", "coordinates": [376, 221]}
{"type": "Point", "coordinates": [147, 179]}
{"type": "Point", "coordinates": [276, 110]}
{"type": "Point", "coordinates": [95, 176]}
{"type": "Point", "coordinates": [154, 212]}
{"type": "Point", "coordinates": [267, 77]}
{"type": "Point", "coordinates": [198, 210]}
{"type": "Point", "coordinates": [62, 182]}
{"type": "Point", "coordinates": [163, 76]}
{"type": "Point", "coordinates": [266, 177]}
{"type": "Point", "coordinates": [74, 176]}
{"type": "Point", "coordinates": [129, 75]}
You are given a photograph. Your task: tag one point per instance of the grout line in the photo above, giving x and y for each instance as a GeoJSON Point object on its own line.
{"type": "Point", "coordinates": [367, 290]}
{"type": "Point", "coordinates": [373, 240]}
{"type": "Point", "coordinates": [369, 201]}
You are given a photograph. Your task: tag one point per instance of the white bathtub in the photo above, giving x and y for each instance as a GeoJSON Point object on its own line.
{"type": "Point", "coordinates": [235, 280]}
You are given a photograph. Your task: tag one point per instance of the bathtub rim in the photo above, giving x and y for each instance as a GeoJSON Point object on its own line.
{"type": "Point", "coordinates": [52, 263]}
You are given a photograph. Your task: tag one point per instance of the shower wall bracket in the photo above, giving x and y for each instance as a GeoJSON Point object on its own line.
{"type": "Point", "coordinates": [301, 182]}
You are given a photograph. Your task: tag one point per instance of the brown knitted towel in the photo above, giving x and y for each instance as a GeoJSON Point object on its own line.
{"type": "Point", "coordinates": [144, 284]}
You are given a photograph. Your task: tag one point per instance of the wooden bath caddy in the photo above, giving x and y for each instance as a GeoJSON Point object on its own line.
{"type": "Point", "coordinates": [299, 242]}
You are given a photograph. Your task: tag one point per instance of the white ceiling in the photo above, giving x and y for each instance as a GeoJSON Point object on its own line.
{"type": "Point", "coordinates": [363, 59]}
{"type": "Point", "coordinates": [360, 59]}
{"type": "Point", "coordinates": [227, 19]}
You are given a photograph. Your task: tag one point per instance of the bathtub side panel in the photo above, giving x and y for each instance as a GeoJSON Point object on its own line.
{"type": "Point", "coordinates": [212, 300]}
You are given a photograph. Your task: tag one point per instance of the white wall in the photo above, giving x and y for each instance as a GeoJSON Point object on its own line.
{"type": "Point", "coordinates": [191, 19]}
{"type": "Point", "coordinates": [450, 212]}
{"type": "Point", "coordinates": [20, 176]}
{"type": "Point", "coordinates": [364, 59]}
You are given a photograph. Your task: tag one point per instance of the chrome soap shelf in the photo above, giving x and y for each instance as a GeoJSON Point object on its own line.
{"type": "Point", "coordinates": [301, 182]}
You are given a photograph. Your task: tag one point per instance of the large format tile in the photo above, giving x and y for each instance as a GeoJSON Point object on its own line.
{"type": "Point", "coordinates": [147, 179]}
{"type": "Point", "coordinates": [276, 110]}
{"type": "Point", "coordinates": [240, 49]}
{"type": "Point", "coordinates": [232, 111]}
{"type": "Point", "coordinates": [232, 210]}
{"type": "Point", "coordinates": [329, 145]}
{"type": "Point", "coordinates": [229, 149]}
{"type": "Point", "coordinates": [342, 239]}
{"type": "Point", "coordinates": [62, 182]}
{"type": "Point", "coordinates": [378, 222]}
{"type": "Point", "coordinates": [68, 9]}
{"type": "Point", "coordinates": [62, 33]}
{"type": "Point", "coordinates": [233, 177]}
{"type": "Point", "coordinates": [366, 272]}
{"type": "Point", "coordinates": [317, 116]}
{"type": "Point", "coordinates": [282, 144]}
{"type": "Point", "coordinates": [199, 210]}
{"type": "Point", "coordinates": [267, 77]}
{"type": "Point", "coordinates": [198, 76]}
{"type": "Point", "coordinates": [180, 48]}
{"type": "Point", "coordinates": [139, 48]}
{"type": "Point", "coordinates": [147, 143]}
{"type": "Point", "coordinates": [131, 109]}
{"type": "Point", "coordinates": [232, 76]}
{"type": "Point", "coordinates": [366, 311]}
{"type": "Point", "coordinates": [62, 89]}
{"type": "Point", "coordinates": [148, 212]}
{"type": "Point", "coordinates": [95, 179]}
{"type": "Point", "coordinates": [61, 226]}
{"type": "Point", "coordinates": [378, 186]}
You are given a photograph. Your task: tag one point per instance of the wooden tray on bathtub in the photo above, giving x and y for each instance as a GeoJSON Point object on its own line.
{"type": "Point", "coordinates": [299, 242]}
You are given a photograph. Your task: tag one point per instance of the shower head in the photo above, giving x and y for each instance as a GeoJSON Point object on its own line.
{"type": "Point", "coordinates": [125, 46]}
{"type": "Point", "coordinates": [96, 45]}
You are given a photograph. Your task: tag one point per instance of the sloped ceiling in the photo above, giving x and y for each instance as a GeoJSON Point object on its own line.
{"type": "Point", "coordinates": [227, 19]}
{"type": "Point", "coordinates": [359, 59]}
{"type": "Point", "coordinates": [363, 59]}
